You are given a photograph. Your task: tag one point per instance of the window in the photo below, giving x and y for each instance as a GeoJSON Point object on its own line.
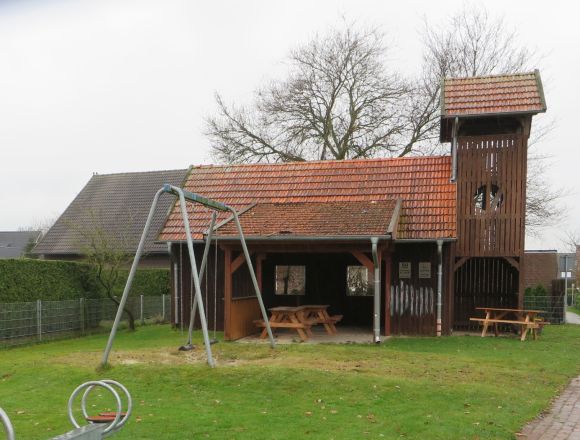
{"type": "Point", "coordinates": [290, 280]}
{"type": "Point", "coordinates": [357, 281]}
{"type": "Point", "coordinates": [488, 196]}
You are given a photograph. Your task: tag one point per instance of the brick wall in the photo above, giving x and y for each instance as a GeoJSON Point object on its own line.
{"type": "Point", "coordinates": [540, 268]}
{"type": "Point", "coordinates": [576, 274]}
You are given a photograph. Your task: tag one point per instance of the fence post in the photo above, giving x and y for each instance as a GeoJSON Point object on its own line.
{"type": "Point", "coordinates": [82, 310]}
{"type": "Point", "coordinates": [39, 318]}
{"type": "Point", "coordinates": [141, 308]}
{"type": "Point", "coordinates": [163, 307]}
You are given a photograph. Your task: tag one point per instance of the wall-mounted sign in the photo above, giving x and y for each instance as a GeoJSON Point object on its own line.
{"type": "Point", "coordinates": [405, 269]}
{"type": "Point", "coordinates": [425, 269]}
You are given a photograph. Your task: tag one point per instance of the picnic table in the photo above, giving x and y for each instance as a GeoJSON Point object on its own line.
{"type": "Point", "coordinates": [318, 314]}
{"type": "Point", "coordinates": [526, 320]}
{"type": "Point", "coordinates": [301, 319]}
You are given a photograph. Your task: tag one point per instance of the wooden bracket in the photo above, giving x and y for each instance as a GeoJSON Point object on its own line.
{"type": "Point", "coordinates": [513, 262]}
{"type": "Point", "coordinates": [364, 260]}
{"type": "Point", "coordinates": [460, 263]}
{"type": "Point", "coordinates": [238, 261]}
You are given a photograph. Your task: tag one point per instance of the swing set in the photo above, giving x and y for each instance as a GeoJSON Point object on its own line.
{"type": "Point", "coordinates": [197, 276]}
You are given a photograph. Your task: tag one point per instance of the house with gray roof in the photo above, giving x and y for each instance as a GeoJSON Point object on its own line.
{"type": "Point", "coordinates": [13, 244]}
{"type": "Point", "coordinates": [118, 205]}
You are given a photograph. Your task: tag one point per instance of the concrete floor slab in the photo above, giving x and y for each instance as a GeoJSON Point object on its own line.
{"type": "Point", "coordinates": [345, 335]}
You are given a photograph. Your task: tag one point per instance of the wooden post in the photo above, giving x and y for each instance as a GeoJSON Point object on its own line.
{"type": "Point", "coordinates": [259, 259]}
{"type": "Point", "coordinates": [522, 284]}
{"type": "Point", "coordinates": [388, 278]}
{"type": "Point", "coordinates": [227, 292]}
{"type": "Point", "coordinates": [450, 286]}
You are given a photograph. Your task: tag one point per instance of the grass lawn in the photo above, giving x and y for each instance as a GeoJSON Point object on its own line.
{"type": "Point", "coordinates": [461, 387]}
{"type": "Point", "coordinates": [574, 309]}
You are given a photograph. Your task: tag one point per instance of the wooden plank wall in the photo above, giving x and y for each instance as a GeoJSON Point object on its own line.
{"type": "Point", "coordinates": [413, 300]}
{"type": "Point", "coordinates": [184, 284]}
{"type": "Point", "coordinates": [244, 312]}
{"type": "Point", "coordinates": [486, 161]}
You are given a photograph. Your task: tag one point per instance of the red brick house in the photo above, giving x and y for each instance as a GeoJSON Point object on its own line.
{"type": "Point", "coordinates": [449, 229]}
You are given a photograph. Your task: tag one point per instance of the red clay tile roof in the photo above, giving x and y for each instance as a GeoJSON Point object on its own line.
{"type": "Point", "coordinates": [485, 95]}
{"type": "Point", "coordinates": [428, 208]}
{"type": "Point", "coordinates": [314, 219]}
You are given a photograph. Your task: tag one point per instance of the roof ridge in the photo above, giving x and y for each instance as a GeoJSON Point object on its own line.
{"type": "Point", "coordinates": [373, 159]}
{"type": "Point", "coordinates": [495, 75]}
{"type": "Point", "coordinates": [126, 173]}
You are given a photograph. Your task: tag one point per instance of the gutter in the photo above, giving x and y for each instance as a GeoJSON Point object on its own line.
{"type": "Point", "coordinates": [454, 149]}
{"type": "Point", "coordinates": [377, 293]}
{"type": "Point", "coordinates": [298, 238]}
{"type": "Point", "coordinates": [439, 284]}
{"type": "Point", "coordinates": [425, 240]}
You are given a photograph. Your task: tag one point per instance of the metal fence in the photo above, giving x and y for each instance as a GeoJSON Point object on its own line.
{"type": "Point", "coordinates": [26, 322]}
{"type": "Point", "coordinates": [551, 307]}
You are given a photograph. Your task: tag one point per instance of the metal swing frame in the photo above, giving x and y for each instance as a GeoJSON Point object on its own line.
{"type": "Point", "coordinates": [198, 300]}
{"type": "Point", "coordinates": [202, 270]}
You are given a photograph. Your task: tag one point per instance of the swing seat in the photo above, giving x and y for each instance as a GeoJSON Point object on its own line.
{"type": "Point", "coordinates": [105, 417]}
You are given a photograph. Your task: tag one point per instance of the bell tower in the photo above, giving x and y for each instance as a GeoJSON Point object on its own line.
{"type": "Point", "coordinates": [488, 122]}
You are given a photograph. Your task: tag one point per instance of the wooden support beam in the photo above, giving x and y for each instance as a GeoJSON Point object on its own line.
{"type": "Point", "coordinates": [238, 261]}
{"type": "Point", "coordinates": [259, 260]}
{"type": "Point", "coordinates": [513, 262]}
{"type": "Point", "coordinates": [227, 293]}
{"type": "Point", "coordinates": [460, 263]}
{"type": "Point", "coordinates": [450, 287]}
{"type": "Point", "coordinates": [365, 261]}
{"type": "Point", "coordinates": [521, 285]}
{"type": "Point", "coordinates": [388, 280]}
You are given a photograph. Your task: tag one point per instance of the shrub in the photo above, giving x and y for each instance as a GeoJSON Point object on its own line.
{"type": "Point", "coordinates": [537, 290]}
{"type": "Point", "coordinates": [23, 280]}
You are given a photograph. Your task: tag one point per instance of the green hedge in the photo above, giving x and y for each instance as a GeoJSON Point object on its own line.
{"type": "Point", "coordinates": [24, 280]}
{"type": "Point", "coordinates": [149, 282]}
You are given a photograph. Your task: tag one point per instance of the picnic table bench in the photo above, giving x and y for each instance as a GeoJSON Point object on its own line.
{"type": "Point", "coordinates": [301, 319]}
{"type": "Point", "coordinates": [526, 320]}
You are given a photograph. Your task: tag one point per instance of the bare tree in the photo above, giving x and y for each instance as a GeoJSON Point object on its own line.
{"type": "Point", "coordinates": [469, 43]}
{"type": "Point", "coordinates": [572, 240]}
{"type": "Point", "coordinates": [40, 224]}
{"type": "Point", "coordinates": [338, 102]}
{"type": "Point", "coordinates": [108, 253]}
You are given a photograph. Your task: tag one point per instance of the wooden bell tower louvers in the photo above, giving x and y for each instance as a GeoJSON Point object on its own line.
{"type": "Point", "coordinates": [488, 122]}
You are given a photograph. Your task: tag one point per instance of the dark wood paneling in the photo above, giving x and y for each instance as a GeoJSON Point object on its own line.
{"type": "Point", "coordinates": [414, 300]}
{"type": "Point", "coordinates": [180, 256]}
{"type": "Point", "coordinates": [325, 284]}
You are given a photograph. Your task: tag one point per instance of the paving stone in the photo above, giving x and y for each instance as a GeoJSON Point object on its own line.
{"type": "Point", "coordinates": [561, 422]}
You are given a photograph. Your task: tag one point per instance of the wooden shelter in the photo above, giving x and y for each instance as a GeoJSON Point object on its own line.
{"type": "Point", "coordinates": [449, 230]}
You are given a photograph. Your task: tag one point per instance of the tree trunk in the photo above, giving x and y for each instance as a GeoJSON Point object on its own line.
{"type": "Point", "coordinates": [128, 312]}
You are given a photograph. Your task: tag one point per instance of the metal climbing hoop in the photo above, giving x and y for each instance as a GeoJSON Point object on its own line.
{"type": "Point", "coordinates": [114, 423]}
{"type": "Point", "coordinates": [8, 428]}
{"type": "Point", "coordinates": [124, 415]}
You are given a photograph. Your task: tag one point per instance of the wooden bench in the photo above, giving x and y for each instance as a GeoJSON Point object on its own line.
{"type": "Point", "coordinates": [335, 318]}
{"type": "Point", "coordinates": [526, 320]}
{"type": "Point", "coordinates": [286, 317]}
{"type": "Point", "coordinates": [261, 323]}
{"type": "Point", "coordinates": [318, 314]}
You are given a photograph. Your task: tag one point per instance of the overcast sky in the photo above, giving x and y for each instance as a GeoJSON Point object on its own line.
{"type": "Point", "coordinates": [112, 86]}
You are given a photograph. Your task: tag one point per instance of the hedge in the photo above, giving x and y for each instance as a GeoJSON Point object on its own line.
{"type": "Point", "coordinates": [23, 280]}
